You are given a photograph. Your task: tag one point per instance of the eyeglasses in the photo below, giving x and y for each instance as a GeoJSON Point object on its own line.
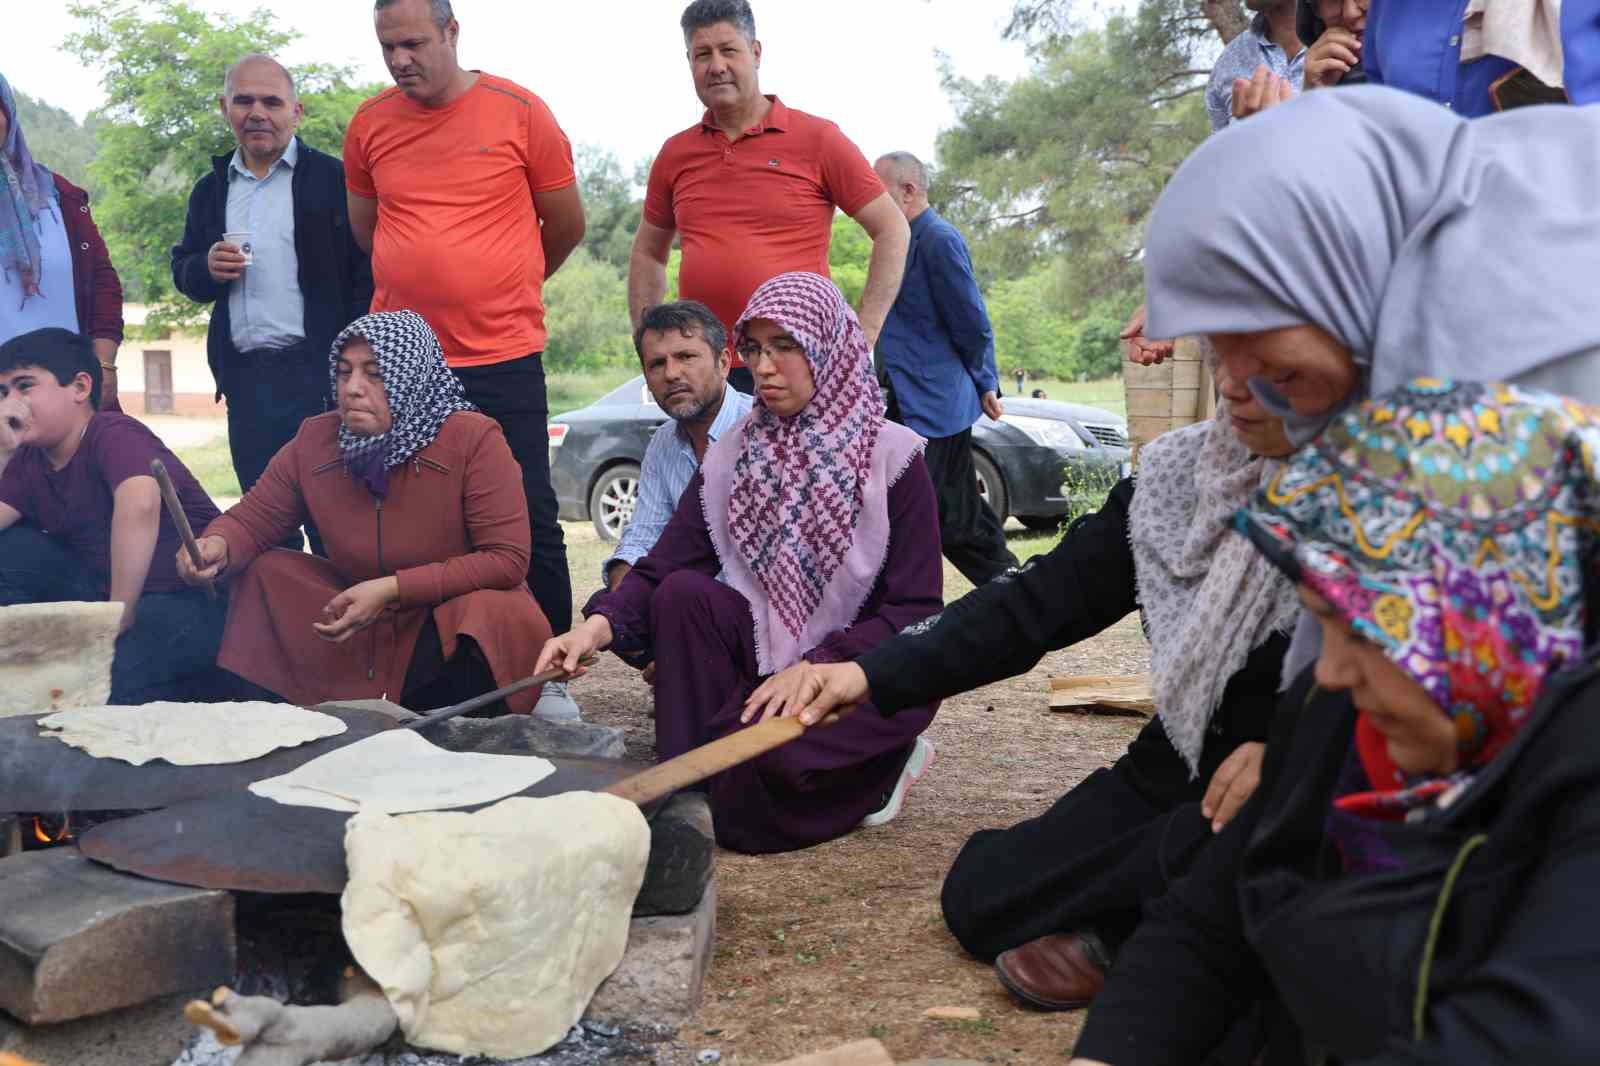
{"type": "Point", "coordinates": [751, 352]}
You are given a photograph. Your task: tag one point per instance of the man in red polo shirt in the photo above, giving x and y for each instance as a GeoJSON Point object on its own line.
{"type": "Point", "coordinates": [751, 188]}
{"type": "Point", "coordinates": [461, 186]}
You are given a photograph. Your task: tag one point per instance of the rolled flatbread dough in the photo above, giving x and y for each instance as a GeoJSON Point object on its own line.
{"type": "Point", "coordinates": [56, 655]}
{"type": "Point", "coordinates": [489, 932]}
{"type": "Point", "coordinates": [398, 771]}
{"type": "Point", "coordinates": [190, 734]}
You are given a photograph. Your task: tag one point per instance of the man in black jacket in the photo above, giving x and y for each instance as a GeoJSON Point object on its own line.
{"type": "Point", "coordinates": [268, 238]}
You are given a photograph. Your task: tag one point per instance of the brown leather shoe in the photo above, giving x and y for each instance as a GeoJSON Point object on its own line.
{"type": "Point", "coordinates": [1062, 971]}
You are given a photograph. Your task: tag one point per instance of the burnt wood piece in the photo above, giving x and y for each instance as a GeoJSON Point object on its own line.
{"type": "Point", "coordinates": [40, 773]}
{"type": "Point", "coordinates": [682, 857]}
{"type": "Point", "coordinates": [245, 842]}
{"type": "Point", "coordinates": [78, 939]}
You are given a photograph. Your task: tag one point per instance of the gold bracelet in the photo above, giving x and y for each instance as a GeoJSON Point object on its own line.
{"type": "Point", "coordinates": [109, 366]}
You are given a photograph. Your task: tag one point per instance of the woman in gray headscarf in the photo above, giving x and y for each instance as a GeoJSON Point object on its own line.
{"type": "Point", "coordinates": [1348, 242]}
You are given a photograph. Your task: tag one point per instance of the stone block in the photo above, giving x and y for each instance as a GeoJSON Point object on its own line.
{"type": "Point", "coordinates": [150, 1034]}
{"type": "Point", "coordinates": [77, 938]}
{"type": "Point", "coordinates": [682, 857]}
{"type": "Point", "coordinates": [662, 974]}
{"type": "Point", "coordinates": [526, 734]}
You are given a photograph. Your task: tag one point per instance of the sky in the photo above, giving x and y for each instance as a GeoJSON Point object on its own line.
{"type": "Point", "coordinates": [614, 73]}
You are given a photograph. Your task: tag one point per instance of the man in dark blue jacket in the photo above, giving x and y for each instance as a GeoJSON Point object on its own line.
{"type": "Point", "coordinates": [937, 351]}
{"type": "Point", "coordinates": [268, 239]}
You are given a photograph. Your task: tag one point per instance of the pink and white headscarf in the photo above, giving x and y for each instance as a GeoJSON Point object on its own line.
{"type": "Point", "coordinates": [798, 507]}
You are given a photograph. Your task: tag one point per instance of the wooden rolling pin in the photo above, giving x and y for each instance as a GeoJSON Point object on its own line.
{"type": "Point", "coordinates": [711, 759]}
{"type": "Point", "coordinates": [169, 496]}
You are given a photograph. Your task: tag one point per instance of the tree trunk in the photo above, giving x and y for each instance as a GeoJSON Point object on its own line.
{"type": "Point", "coordinates": [1227, 17]}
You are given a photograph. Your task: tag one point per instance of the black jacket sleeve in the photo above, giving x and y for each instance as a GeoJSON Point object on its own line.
{"type": "Point", "coordinates": [189, 272]}
{"type": "Point", "coordinates": [1003, 628]}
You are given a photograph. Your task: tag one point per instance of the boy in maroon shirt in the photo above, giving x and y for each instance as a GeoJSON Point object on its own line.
{"type": "Point", "coordinates": [81, 517]}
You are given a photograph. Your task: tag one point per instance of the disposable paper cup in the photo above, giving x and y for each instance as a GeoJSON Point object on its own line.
{"type": "Point", "coordinates": [241, 239]}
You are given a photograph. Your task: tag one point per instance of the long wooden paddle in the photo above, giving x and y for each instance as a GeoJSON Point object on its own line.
{"type": "Point", "coordinates": [695, 766]}
{"type": "Point", "coordinates": [169, 496]}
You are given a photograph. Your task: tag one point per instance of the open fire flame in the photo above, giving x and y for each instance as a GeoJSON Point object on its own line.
{"type": "Point", "coordinates": [44, 834]}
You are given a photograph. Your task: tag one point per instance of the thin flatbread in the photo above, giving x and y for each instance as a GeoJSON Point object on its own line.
{"type": "Point", "coordinates": [489, 932]}
{"type": "Point", "coordinates": [56, 655]}
{"type": "Point", "coordinates": [190, 734]}
{"type": "Point", "coordinates": [397, 771]}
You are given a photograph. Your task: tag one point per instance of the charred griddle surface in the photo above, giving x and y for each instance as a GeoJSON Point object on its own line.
{"type": "Point", "coordinates": [245, 842]}
{"type": "Point", "coordinates": [40, 773]}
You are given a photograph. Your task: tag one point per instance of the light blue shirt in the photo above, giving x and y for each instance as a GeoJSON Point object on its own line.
{"type": "Point", "coordinates": [56, 302]}
{"type": "Point", "coordinates": [669, 465]}
{"type": "Point", "coordinates": [265, 306]}
{"type": "Point", "coordinates": [1244, 54]}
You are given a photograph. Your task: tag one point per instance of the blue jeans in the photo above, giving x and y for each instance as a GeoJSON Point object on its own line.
{"type": "Point", "coordinates": [169, 653]}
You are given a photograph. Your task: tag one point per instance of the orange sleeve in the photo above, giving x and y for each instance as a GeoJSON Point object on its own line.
{"type": "Point", "coordinates": [357, 175]}
{"type": "Point", "coordinates": [549, 151]}
{"type": "Point", "coordinates": [496, 513]}
{"type": "Point", "coordinates": [658, 193]}
{"type": "Point", "coordinates": [850, 180]}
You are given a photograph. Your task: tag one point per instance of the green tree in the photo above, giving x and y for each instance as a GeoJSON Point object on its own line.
{"type": "Point", "coordinates": [611, 210]}
{"type": "Point", "coordinates": [57, 140]}
{"type": "Point", "coordinates": [849, 255]}
{"type": "Point", "coordinates": [586, 313]}
{"type": "Point", "coordinates": [163, 63]}
{"type": "Point", "coordinates": [1030, 332]}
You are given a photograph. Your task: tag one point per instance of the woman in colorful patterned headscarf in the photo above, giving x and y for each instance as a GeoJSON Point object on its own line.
{"type": "Point", "coordinates": [1415, 875]}
{"type": "Point", "coordinates": [809, 535]}
{"type": "Point", "coordinates": [420, 505]}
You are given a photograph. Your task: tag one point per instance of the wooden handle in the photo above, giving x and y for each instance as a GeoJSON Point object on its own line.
{"type": "Point", "coordinates": [555, 673]}
{"type": "Point", "coordinates": [695, 766]}
{"type": "Point", "coordinates": [169, 496]}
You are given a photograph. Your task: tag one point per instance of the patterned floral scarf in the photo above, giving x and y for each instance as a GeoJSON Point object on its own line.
{"type": "Point", "coordinates": [798, 506]}
{"type": "Point", "coordinates": [29, 189]}
{"type": "Point", "coordinates": [1457, 527]}
{"type": "Point", "coordinates": [1207, 597]}
{"type": "Point", "coordinates": [422, 393]}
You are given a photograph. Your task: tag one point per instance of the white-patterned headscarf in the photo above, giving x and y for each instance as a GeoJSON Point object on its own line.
{"type": "Point", "coordinates": [421, 388]}
{"type": "Point", "coordinates": [1208, 600]}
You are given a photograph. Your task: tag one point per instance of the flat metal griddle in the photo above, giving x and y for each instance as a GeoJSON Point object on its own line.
{"type": "Point", "coordinates": [40, 773]}
{"type": "Point", "coordinates": [245, 842]}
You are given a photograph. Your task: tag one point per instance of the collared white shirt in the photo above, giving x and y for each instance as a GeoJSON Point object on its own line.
{"type": "Point", "coordinates": [265, 306]}
{"type": "Point", "coordinates": [668, 467]}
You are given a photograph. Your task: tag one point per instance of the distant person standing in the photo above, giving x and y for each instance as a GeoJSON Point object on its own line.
{"type": "Point", "coordinates": [750, 190]}
{"type": "Point", "coordinates": [281, 301]}
{"type": "Point", "coordinates": [937, 349]}
{"type": "Point", "coordinates": [462, 186]}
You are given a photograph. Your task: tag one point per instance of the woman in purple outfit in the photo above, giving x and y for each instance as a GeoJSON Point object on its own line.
{"type": "Point", "coordinates": [809, 536]}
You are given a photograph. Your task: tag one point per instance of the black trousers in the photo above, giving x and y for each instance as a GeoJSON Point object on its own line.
{"type": "Point", "coordinates": [968, 531]}
{"type": "Point", "coordinates": [270, 392]}
{"type": "Point", "coordinates": [513, 394]}
{"type": "Point", "coordinates": [1093, 860]}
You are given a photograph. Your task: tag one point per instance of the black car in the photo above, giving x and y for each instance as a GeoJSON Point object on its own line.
{"type": "Point", "coordinates": [1041, 461]}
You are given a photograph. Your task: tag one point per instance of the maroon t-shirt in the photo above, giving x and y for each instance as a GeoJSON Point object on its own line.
{"type": "Point", "coordinates": [74, 504]}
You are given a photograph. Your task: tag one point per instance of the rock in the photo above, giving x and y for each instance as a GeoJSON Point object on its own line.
{"type": "Point", "coordinates": [527, 734]}
{"type": "Point", "coordinates": [953, 1014]}
{"type": "Point", "coordinates": [708, 1056]}
{"type": "Point", "coordinates": [77, 938]}
{"type": "Point", "coordinates": [150, 1034]}
{"type": "Point", "coordinates": [682, 857]}
{"type": "Point", "coordinates": [662, 974]}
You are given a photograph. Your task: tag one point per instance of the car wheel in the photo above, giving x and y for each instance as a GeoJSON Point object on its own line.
{"type": "Point", "coordinates": [991, 486]}
{"type": "Point", "coordinates": [1042, 523]}
{"type": "Point", "coordinates": [611, 500]}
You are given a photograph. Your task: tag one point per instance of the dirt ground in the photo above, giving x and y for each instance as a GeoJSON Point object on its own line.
{"type": "Point", "coordinates": [845, 940]}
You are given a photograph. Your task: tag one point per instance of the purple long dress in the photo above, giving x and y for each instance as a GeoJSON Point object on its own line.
{"type": "Point", "coordinates": [821, 785]}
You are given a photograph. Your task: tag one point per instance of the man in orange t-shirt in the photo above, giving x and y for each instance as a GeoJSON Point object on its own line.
{"type": "Point", "coordinates": [461, 186]}
{"type": "Point", "coordinates": [750, 190]}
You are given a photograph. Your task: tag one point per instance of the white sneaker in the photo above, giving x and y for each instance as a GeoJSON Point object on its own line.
{"type": "Point", "coordinates": [555, 705]}
{"type": "Point", "coordinates": [922, 756]}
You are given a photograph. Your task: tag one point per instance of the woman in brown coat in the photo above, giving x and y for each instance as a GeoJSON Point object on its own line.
{"type": "Point", "coordinates": [422, 597]}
